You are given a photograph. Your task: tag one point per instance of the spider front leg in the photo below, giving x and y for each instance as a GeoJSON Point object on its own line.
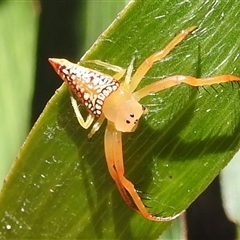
{"type": "Point", "coordinates": [114, 157]}
{"type": "Point", "coordinates": [175, 80]}
{"type": "Point", "coordinates": [147, 64]}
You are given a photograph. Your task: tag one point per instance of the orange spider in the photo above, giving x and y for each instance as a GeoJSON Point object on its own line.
{"type": "Point", "coordinates": [104, 97]}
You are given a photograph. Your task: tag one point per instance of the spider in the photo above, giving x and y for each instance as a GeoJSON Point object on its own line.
{"type": "Point", "coordinates": [105, 97]}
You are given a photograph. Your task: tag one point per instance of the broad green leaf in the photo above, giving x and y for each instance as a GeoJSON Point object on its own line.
{"type": "Point", "coordinates": [59, 186]}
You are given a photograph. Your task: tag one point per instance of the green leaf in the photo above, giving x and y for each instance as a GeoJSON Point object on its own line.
{"type": "Point", "coordinates": [59, 186]}
{"type": "Point", "coordinates": [17, 27]}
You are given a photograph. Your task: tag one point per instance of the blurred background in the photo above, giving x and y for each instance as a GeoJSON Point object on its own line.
{"type": "Point", "coordinates": [32, 31]}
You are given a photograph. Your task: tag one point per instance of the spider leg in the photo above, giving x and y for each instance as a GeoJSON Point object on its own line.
{"type": "Point", "coordinates": [129, 73]}
{"type": "Point", "coordinates": [90, 118]}
{"type": "Point", "coordinates": [96, 126]}
{"type": "Point", "coordinates": [84, 123]}
{"type": "Point", "coordinates": [114, 157]}
{"type": "Point", "coordinates": [175, 80]}
{"type": "Point", "coordinates": [119, 70]}
{"type": "Point", "coordinates": [106, 65]}
{"type": "Point", "coordinates": [147, 63]}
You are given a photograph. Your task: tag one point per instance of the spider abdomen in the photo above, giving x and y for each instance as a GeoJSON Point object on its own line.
{"type": "Point", "coordinates": [91, 87]}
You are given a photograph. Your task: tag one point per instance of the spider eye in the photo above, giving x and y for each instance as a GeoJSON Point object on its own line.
{"type": "Point", "coordinates": [131, 115]}
{"type": "Point", "coordinates": [127, 121]}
